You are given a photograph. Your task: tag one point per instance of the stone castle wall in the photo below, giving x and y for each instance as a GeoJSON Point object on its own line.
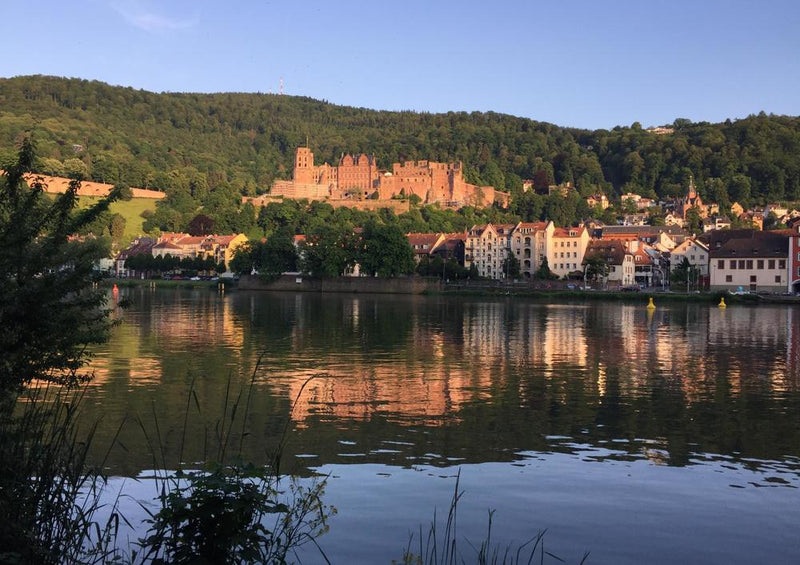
{"type": "Point", "coordinates": [358, 177]}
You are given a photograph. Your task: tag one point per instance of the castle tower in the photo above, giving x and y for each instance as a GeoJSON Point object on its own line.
{"type": "Point", "coordinates": [303, 166]}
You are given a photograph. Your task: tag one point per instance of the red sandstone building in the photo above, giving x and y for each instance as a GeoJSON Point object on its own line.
{"type": "Point", "coordinates": [358, 177]}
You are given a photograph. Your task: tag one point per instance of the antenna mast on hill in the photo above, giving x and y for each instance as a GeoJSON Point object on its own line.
{"type": "Point", "coordinates": [280, 90]}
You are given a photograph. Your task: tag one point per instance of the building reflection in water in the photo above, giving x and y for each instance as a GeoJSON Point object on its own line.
{"type": "Point", "coordinates": [529, 369]}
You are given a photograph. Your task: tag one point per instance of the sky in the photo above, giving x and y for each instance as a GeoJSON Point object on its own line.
{"type": "Point", "coordinates": [590, 64]}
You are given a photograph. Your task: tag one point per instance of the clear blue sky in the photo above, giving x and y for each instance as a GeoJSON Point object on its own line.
{"type": "Point", "coordinates": [591, 64]}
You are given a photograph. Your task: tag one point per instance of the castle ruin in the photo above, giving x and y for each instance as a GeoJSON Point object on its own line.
{"type": "Point", "coordinates": [357, 177]}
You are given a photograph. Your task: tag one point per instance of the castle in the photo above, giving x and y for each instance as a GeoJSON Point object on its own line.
{"type": "Point", "coordinates": [357, 177]}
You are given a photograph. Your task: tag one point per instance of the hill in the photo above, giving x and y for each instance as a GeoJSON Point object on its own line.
{"type": "Point", "coordinates": [194, 144]}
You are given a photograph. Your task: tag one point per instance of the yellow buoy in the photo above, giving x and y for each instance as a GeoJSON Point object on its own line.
{"type": "Point", "coordinates": [650, 305]}
{"type": "Point", "coordinates": [722, 302]}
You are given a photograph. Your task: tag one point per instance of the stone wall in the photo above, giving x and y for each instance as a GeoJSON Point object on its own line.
{"type": "Point", "coordinates": [301, 283]}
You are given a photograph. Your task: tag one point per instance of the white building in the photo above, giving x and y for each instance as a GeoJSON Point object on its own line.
{"type": "Point", "coordinates": [751, 260]}
{"type": "Point", "coordinates": [696, 252]}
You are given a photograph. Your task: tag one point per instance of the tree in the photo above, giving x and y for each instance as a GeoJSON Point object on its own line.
{"type": "Point", "coordinates": [597, 267]}
{"type": "Point", "coordinates": [511, 266]}
{"type": "Point", "coordinates": [544, 273]}
{"type": "Point", "coordinates": [116, 227]}
{"type": "Point", "coordinates": [48, 310]}
{"type": "Point", "coordinates": [684, 274]}
{"type": "Point", "coordinates": [201, 225]}
{"type": "Point", "coordinates": [125, 192]}
{"type": "Point", "coordinates": [277, 255]}
{"type": "Point", "coordinates": [694, 223]}
{"type": "Point", "coordinates": [328, 251]}
{"type": "Point", "coordinates": [383, 250]}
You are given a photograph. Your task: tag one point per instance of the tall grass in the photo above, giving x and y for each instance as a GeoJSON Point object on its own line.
{"type": "Point", "coordinates": [442, 545]}
{"type": "Point", "coordinates": [229, 511]}
{"type": "Point", "coordinates": [49, 495]}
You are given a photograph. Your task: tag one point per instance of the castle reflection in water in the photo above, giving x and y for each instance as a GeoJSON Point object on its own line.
{"type": "Point", "coordinates": [422, 359]}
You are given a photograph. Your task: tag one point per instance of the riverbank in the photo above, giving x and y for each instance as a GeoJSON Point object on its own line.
{"type": "Point", "coordinates": [167, 283]}
{"type": "Point", "coordinates": [604, 295]}
{"type": "Point", "coordinates": [416, 285]}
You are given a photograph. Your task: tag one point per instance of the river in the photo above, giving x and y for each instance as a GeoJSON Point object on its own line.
{"type": "Point", "coordinates": [641, 437]}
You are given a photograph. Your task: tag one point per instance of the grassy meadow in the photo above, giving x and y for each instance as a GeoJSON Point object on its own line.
{"type": "Point", "coordinates": [131, 210]}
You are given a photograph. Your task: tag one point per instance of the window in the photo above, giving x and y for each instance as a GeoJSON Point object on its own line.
{"type": "Point", "coordinates": [782, 264]}
{"type": "Point", "coordinates": [728, 278]}
{"type": "Point", "coordinates": [733, 264]}
{"type": "Point", "coordinates": [752, 278]}
{"type": "Point", "coordinates": [721, 264]}
{"type": "Point", "coordinates": [749, 263]}
{"type": "Point", "coordinates": [777, 279]}
{"type": "Point", "coordinates": [771, 264]}
{"type": "Point", "coordinates": [741, 263]}
{"type": "Point", "coordinates": [760, 264]}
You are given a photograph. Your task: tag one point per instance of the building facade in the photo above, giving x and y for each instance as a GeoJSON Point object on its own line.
{"type": "Point", "coordinates": [749, 260]}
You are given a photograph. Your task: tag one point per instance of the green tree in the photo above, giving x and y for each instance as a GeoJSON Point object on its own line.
{"type": "Point", "coordinates": [544, 273]}
{"type": "Point", "coordinates": [48, 309]}
{"type": "Point", "coordinates": [694, 223]}
{"type": "Point", "coordinates": [597, 268]}
{"type": "Point", "coordinates": [201, 225]}
{"type": "Point", "coordinates": [684, 274]}
{"type": "Point", "coordinates": [277, 255]}
{"type": "Point", "coordinates": [511, 266]}
{"type": "Point", "coordinates": [383, 250]}
{"type": "Point", "coordinates": [329, 251]}
{"type": "Point", "coordinates": [116, 228]}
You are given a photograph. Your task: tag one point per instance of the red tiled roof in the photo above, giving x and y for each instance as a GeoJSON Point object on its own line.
{"type": "Point", "coordinates": [565, 232]}
{"type": "Point", "coordinates": [533, 225]}
{"type": "Point", "coordinates": [166, 245]}
{"type": "Point", "coordinates": [612, 251]}
{"type": "Point", "coordinates": [191, 240]}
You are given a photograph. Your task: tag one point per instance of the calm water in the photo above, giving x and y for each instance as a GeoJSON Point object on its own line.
{"type": "Point", "coordinates": [643, 438]}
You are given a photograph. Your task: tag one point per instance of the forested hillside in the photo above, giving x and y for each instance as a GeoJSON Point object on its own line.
{"type": "Point", "coordinates": [191, 145]}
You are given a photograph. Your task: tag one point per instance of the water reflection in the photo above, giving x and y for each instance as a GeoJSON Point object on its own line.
{"type": "Point", "coordinates": [454, 379]}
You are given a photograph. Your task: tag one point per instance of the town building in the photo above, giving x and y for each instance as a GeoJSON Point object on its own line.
{"type": "Point", "coordinates": [646, 269]}
{"type": "Point", "coordinates": [695, 252]}
{"type": "Point", "coordinates": [619, 260]}
{"type": "Point", "coordinates": [667, 236]}
{"type": "Point", "coordinates": [748, 260]}
{"type": "Point", "coordinates": [423, 244]}
{"type": "Point", "coordinates": [565, 249]}
{"type": "Point", "coordinates": [485, 250]}
{"type": "Point", "coordinates": [597, 200]}
{"type": "Point", "coordinates": [221, 248]}
{"type": "Point", "coordinates": [138, 246]}
{"type": "Point", "coordinates": [529, 246]}
{"type": "Point", "coordinates": [716, 223]}
{"type": "Point", "coordinates": [488, 246]}
{"type": "Point", "coordinates": [691, 200]}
